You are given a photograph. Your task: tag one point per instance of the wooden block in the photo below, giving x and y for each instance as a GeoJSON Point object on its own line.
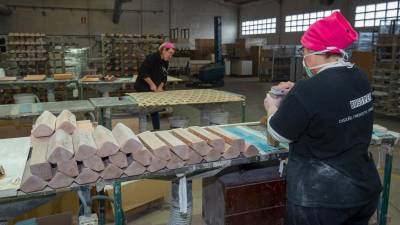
{"type": "Point", "coordinates": [34, 77]}
{"type": "Point", "coordinates": [60, 180]}
{"type": "Point", "coordinates": [39, 166]}
{"type": "Point", "coordinates": [128, 141]}
{"type": "Point", "coordinates": [175, 162]}
{"type": "Point", "coordinates": [66, 121]}
{"type": "Point", "coordinates": [94, 162]}
{"type": "Point", "coordinates": [134, 168]}
{"type": "Point", "coordinates": [63, 76]}
{"type": "Point", "coordinates": [155, 145]}
{"type": "Point", "coordinates": [44, 125]}
{"type": "Point", "coordinates": [84, 146]}
{"type": "Point", "coordinates": [193, 141]}
{"type": "Point", "coordinates": [212, 155]}
{"type": "Point", "coordinates": [86, 176]}
{"type": "Point", "coordinates": [8, 78]}
{"type": "Point", "coordinates": [86, 125]}
{"type": "Point", "coordinates": [119, 159]}
{"type": "Point", "coordinates": [143, 157]}
{"type": "Point", "coordinates": [250, 150]}
{"type": "Point", "coordinates": [30, 182]}
{"type": "Point", "coordinates": [111, 171]}
{"type": "Point", "coordinates": [60, 147]}
{"type": "Point", "coordinates": [105, 141]}
{"type": "Point", "coordinates": [69, 168]}
{"type": "Point", "coordinates": [156, 164]}
{"type": "Point", "coordinates": [213, 140]}
{"type": "Point", "coordinates": [176, 145]}
{"type": "Point", "coordinates": [230, 152]}
{"type": "Point", "coordinates": [194, 158]}
{"type": "Point", "coordinates": [231, 139]}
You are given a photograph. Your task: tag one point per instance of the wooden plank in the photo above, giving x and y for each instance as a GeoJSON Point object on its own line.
{"type": "Point", "coordinates": [143, 156]}
{"type": "Point", "coordinates": [30, 182]}
{"type": "Point", "coordinates": [8, 78]}
{"type": "Point", "coordinates": [35, 77]}
{"type": "Point", "coordinates": [155, 145]}
{"type": "Point", "coordinates": [231, 139]}
{"type": "Point", "coordinates": [86, 176]}
{"type": "Point", "coordinates": [134, 168]}
{"type": "Point", "coordinates": [175, 162]}
{"type": "Point", "coordinates": [105, 141]}
{"type": "Point", "coordinates": [250, 150]}
{"type": "Point", "coordinates": [230, 152]}
{"type": "Point", "coordinates": [95, 163]}
{"type": "Point", "coordinates": [194, 158]}
{"type": "Point", "coordinates": [84, 145]}
{"type": "Point", "coordinates": [213, 140]}
{"type": "Point", "coordinates": [66, 121]}
{"type": "Point", "coordinates": [111, 171]}
{"type": "Point", "coordinates": [127, 139]}
{"type": "Point", "coordinates": [119, 159]}
{"type": "Point", "coordinates": [63, 76]}
{"type": "Point", "coordinates": [44, 125]}
{"type": "Point", "coordinates": [39, 166]}
{"type": "Point", "coordinates": [60, 147]}
{"type": "Point", "coordinates": [60, 180]}
{"type": "Point", "coordinates": [68, 167]}
{"type": "Point", "coordinates": [193, 141]}
{"type": "Point", "coordinates": [176, 145]}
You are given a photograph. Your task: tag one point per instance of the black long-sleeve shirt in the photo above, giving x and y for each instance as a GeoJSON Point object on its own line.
{"type": "Point", "coordinates": [153, 67]}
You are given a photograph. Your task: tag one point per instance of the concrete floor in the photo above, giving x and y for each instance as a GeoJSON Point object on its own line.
{"type": "Point", "coordinates": [255, 93]}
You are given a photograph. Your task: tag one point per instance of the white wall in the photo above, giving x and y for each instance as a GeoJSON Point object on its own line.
{"type": "Point", "coordinates": [194, 14]}
{"type": "Point", "coordinates": [271, 8]}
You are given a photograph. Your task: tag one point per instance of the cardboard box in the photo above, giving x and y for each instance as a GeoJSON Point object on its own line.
{"type": "Point", "coordinates": [131, 122]}
{"type": "Point", "coordinates": [15, 128]}
{"type": "Point", "coordinates": [365, 61]}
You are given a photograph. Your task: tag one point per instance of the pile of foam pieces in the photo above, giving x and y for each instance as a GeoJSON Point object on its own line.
{"type": "Point", "coordinates": [66, 152]}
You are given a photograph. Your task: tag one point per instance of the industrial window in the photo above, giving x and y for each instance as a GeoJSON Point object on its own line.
{"type": "Point", "coordinates": [371, 15]}
{"type": "Point", "coordinates": [254, 27]}
{"type": "Point", "coordinates": [301, 22]}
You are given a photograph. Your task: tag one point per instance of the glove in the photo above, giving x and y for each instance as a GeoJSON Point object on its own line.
{"type": "Point", "coordinates": [271, 103]}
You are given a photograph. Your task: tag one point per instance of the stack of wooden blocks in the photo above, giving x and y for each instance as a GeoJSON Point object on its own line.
{"type": "Point", "coordinates": [65, 151]}
{"type": "Point", "coordinates": [385, 80]}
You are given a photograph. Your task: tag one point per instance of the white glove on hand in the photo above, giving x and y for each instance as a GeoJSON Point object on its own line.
{"type": "Point", "coordinates": [272, 103]}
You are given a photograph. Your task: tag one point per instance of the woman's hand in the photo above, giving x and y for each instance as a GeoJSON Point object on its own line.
{"type": "Point", "coordinates": [160, 89]}
{"type": "Point", "coordinates": [153, 87]}
{"type": "Point", "coordinates": [271, 104]}
{"type": "Point", "coordinates": [285, 86]}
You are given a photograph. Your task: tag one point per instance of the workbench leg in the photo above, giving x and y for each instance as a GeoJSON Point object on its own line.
{"type": "Point", "coordinates": [142, 122]}
{"type": "Point", "coordinates": [102, 209]}
{"type": "Point", "coordinates": [384, 202]}
{"type": "Point", "coordinates": [243, 111]}
{"type": "Point", "coordinates": [107, 113]}
{"type": "Point", "coordinates": [81, 92]}
{"type": "Point", "coordinates": [181, 202]}
{"type": "Point", "coordinates": [117, 204]}
{"type": "Point", "coordinates": [50, 95]}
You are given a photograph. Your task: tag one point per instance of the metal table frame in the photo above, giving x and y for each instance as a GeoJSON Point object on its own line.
{"type": "Point", "coordinates": [49, 83]}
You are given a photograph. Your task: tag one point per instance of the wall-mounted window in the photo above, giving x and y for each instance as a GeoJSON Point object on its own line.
{"type": "Point", "coordinates": [263, 26]}
{"type": "Point", "coordinates": [301, 22]}
{"type": "Point", "coordinates": [371, 15]}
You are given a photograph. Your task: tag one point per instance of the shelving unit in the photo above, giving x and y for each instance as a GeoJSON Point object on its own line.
{"type": "Point", "coordinates": [27, 53]}
{"type": "Point", "coordinates": [123, 53]}
{"type": "Point", "coordinates": [385, 80]}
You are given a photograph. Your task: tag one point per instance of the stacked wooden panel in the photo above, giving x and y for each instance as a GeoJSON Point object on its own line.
{"type": "Point", "coordinates": [123, 53]}
{"type": "Point", "coordinates": [65, 151]}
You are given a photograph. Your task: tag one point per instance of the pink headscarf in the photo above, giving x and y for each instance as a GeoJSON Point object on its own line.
{"type": "Point", "coordinates": [333, 32]}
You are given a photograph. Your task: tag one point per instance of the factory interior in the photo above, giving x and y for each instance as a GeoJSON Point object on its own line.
{"type": "Point", "coordinates": [199, 112]}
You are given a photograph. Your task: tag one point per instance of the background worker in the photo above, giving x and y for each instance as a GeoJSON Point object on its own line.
{"type": "Point", "coordinates": [327, 119]}
{"type": "Point", "coordinates": [153, 74]}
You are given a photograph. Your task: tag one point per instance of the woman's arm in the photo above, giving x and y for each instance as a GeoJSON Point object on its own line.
{"type": "Point", "coordinates": [151, 84]}
{"type": "Point", "coordinates": [160, 87]}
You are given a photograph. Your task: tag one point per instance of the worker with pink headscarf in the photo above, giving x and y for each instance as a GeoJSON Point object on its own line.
{"type": "Point", "coordinates": [153, 74]}
{"type": "Point", "coordinates": [327, 121]}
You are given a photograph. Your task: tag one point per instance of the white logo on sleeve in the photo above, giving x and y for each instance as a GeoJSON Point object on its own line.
{"type": "Point", "coordinates": [361, 101]}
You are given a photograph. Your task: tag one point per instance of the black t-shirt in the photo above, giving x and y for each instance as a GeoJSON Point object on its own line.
{"type": "Point", "coordinates": [329, 119]}
{"type": "Point", "coordinates": [153, 67]}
